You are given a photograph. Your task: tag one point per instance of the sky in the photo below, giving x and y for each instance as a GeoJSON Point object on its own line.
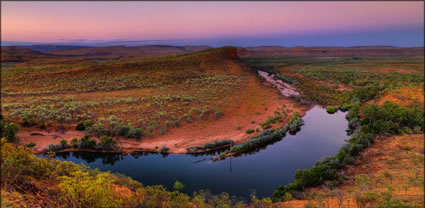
{"type": "Point", "coordinates": [217, 23]}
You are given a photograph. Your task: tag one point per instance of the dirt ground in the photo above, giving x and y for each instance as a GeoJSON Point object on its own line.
{"type": "Point", "coordinates": [247, 115]}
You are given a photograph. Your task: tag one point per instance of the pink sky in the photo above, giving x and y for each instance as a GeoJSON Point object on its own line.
{"type": "Point", "coordinates": [54, 21]}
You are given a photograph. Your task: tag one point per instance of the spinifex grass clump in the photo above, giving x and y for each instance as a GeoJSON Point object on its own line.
{"type": "Point", "coordinates": [213, 145]}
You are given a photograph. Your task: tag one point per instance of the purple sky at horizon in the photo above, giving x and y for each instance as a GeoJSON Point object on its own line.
{"type": "Point", "coordinates": [217, 23]}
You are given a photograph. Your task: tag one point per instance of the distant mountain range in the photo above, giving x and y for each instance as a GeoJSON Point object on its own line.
{"type": "Point", "coordinates": [98, 43]}
{"type": "Point", "coordinates": [264, 51]}
{"type": "Point", "coordinates": [30, 52]}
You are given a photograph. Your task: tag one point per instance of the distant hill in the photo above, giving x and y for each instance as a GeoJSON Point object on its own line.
{"type": "Point", "coordinates": [264, 51]}
{"type": "Point", "coordinates": [48, 48]}
{"type": "Point", "coordinates": [20, 54]}
{"type": "Point", "coordinates": [136, 51]}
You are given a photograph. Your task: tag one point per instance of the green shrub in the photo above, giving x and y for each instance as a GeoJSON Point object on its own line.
{"type": "Point", "coordinates": [331, 109]}
{"type": "Point", "coordinates": [250, 131]}
{"type": "Point", "coordinates": [83, 125]}
{"type": "Point", "coordinates": [51, 147]}
{"type": "Point", "coordinates": [63, 142]}
{"type": "Point", "coordinates": [74, 143]}
{"type": "Point", "coordinates": [164, 149]}
{"type": "Point", "coordinates": [123, 130]}
{"type": "Point", "coordinates": [176, 123]}
{"type": "Point", "coordinates": [107, 143]}
{"type": "Point", "coordinates": [31, 144]}
{"type": "Point", "coordinates": [162, 131]}
{"type": "Point", "coordinates": [87, 143]}
{"type": "Point", "coordinates": [218, 114]}
{"type": "Point", "coordinates": [271, 120]}
{"type": "Point", "coordinates": [136, 133]}
{"type": "Point", "coordinates": [178, 186]}
{"type": "Point", "coordinates": [215, 144]}
{"type": "Point", "coordinates": [98, 130]}
{"type": "Point", "coordinates": [9, 130]}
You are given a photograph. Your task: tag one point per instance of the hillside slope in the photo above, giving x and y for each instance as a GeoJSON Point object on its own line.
{"type": "Point", "coordinates": [177, 102]}
{"type": "Point", "coordinates": [20, 54]}
{"type": "Point", "coordinates": [136, 51]}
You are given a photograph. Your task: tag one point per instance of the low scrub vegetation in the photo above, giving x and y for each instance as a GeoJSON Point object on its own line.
{"type": "Point", "coordinates": [214, 145]}
{"type": "Point", "coordinates": [86, 143]}
{"type": "Point", "coordinates": [388, 119]}
{"type": "Point", "coordinates": [269, 136]}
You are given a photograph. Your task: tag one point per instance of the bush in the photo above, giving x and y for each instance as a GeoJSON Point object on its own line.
{"type": "Point", "coordinates": [264, 138]}
{"type": "Point", "coordinates": [107, 143]}
{"type": "Point", "coordinates": [331, 109]}
{"type": "Point", "coordinates": [136, 133]}
{"type": "Point", "coordinates": [31, 144]}
{"type": "Point", "coordinates": [51, 147]}
{"type": "Point", "coordinates": [176, 123]}
{"type": "Point", "coordinates": [162, 131]}
{"type": "Point", "coordinates": [123, 130]}
{"type": "Point", "coordinates": [9, 130]}
{"type": "Point", "coordinates": [294, 124]}
{"type": "Point", "coordinates": [167, 123]}
{"type": "Point", "coordinates": [250, 131]}
{"type": "Point", "coordinates": [63, 142]}
{"type": "Point", "coordinates": [74, 143]}
{"type": "Point", "coordinates": [86, 124]}
{"type": "Point", "coordinates": [87, 143]}
{"type": "Point", "coordinates": [391, 118]}
{"type": "Point", "coordinates": [215, 144]}
{"type": "Point", "coordinates": [219, 114]}
{"type": "Point", "coordinates": [98, 130]}
{"type": "Point", "coordinates": [164, 149]}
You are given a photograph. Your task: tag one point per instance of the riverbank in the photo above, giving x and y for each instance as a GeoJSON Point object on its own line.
{"type": "Point", "coordinates": [177, 140]}
{"type": "Point", "coordinates": [239, 124]}
{"type": "Point", "coordinates": [174, 141]}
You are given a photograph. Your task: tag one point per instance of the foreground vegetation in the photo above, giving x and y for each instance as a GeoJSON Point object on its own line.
{"type": "Point", "coordinates": [30, 181]}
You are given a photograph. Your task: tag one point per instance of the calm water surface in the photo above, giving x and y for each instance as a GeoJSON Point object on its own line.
{"type": "Point", "coordinates": [262, 171]}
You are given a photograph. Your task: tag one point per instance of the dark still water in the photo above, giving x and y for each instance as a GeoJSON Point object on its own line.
{"type": "Point", "coordinates": [322, 135]}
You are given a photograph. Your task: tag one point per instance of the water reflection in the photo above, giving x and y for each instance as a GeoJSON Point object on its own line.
{"type": "Point", "coordinates": [262, 169]}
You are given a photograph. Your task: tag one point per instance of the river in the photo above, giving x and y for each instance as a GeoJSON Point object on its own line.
{"type": "Point", "coordinates": [260, 171]}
